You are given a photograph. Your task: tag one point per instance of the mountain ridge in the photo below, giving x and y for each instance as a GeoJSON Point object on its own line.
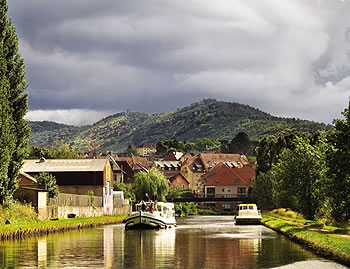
{"type": "Point", "coordinates": [208, 118]}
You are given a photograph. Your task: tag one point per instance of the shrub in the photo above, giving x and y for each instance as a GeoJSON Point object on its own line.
{"type": "Point", "coordinates": [17, 213]}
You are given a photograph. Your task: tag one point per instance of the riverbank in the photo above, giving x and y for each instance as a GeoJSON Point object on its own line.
{"type": "Point", "coordinates": [327, 241]}
{"type": "Point", "coordinates": [26, 229]}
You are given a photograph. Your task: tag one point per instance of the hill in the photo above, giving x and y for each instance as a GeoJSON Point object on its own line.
{"type": "Point", "coordinates": [208, 118]}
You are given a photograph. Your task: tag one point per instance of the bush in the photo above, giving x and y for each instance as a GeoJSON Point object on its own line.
{"type": "Point", "coordinates": [17, 213]}
{"type": "Point", "coordinates": [287, 213]}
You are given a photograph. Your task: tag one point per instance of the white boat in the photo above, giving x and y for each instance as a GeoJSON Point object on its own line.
{"type": "Point", "coordinates": [163, 216]}
{"type": "Point", "coordinates": [248, 214]}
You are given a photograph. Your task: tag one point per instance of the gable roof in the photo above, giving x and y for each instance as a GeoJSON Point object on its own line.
{"type": "Point", "coordinates": [136, 163]}
{"type": "Point", "coordinates": [172, 178]}
{"type": "Point", "coordinates": [232, 160]}
{"type": "Point", "coordinates": [173, 156]}
{"type": "Point", "coordinates": [224, 175]}
{"type": "Point", "coordinates": [64, 165]}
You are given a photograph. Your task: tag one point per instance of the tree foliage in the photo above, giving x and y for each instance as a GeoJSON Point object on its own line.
{"type": "Point", "coordinates": [50, 182]}
{"type": "Point", "coordinates": [201, 144]}
{"type": "Point", "coordinates": [127, 189]}
{"type": "Point", "coordinates": [338, 160]}
{"type": "Point", "coordinates": [291, 172]}
{"type": "Point", "coordinates": [60, 150]}
{"type": "Point", "coordinates": [239, 144]}
{"type": "Point", "coordinates": [300, 176]}
{"type": "Point", "coordinates": [150, 182]}
{"type": "Point", "coordinates": [14, 105]}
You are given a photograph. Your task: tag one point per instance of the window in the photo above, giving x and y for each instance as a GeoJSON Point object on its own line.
{"type": "Point", "coordinates": [223, 190]}
{"type": "Point", "coordinates": [241, 190]}
{"type": "Point", "coordinates": [210, 192]}
{"type": "Point", "coordinates": [217, 181]}
{"type": "Point", "coordinates": [226, 206]}
{"type": "Point", "coordinates": [237, 180]}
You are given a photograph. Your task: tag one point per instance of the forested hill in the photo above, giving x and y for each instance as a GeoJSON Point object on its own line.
{"type": "Point", "coordinates": [208, 118]}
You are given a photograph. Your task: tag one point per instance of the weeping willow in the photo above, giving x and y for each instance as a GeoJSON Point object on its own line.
{"type": "Point", "coordinates": [150, 182]}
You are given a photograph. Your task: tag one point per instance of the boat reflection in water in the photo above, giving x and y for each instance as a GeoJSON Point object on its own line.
{"type": "Point", "coordinates": [153, 248]}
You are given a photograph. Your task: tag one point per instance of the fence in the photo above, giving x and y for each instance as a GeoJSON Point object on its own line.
{"type": "Point", "coordinates": [65, 199]}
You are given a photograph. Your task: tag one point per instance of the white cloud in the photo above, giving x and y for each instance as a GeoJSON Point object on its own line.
{"type": "Point", "coordinates": [69, 116]}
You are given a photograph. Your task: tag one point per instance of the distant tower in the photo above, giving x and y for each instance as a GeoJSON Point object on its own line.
{"type": "Point", "coordinates": [128, 111]}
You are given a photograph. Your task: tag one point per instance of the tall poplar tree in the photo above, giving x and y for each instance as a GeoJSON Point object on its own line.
{"type": "Point", "coordinates": [14, 108]}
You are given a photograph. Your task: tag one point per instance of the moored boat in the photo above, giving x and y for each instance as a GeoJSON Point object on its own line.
{"type": "Point", "coordinates": [147, 217]}
{"type": "Point", "coordinates": [248, 214]}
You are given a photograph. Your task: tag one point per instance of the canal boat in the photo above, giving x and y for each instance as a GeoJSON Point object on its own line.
{"type": "Point", "coordinates": [248, 214]}
{"type": "Point", "coordinates": [151, 216]}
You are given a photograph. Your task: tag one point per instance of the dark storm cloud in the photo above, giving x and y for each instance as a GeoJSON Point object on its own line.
{"type": "Point", "coordinates": [289, 59]}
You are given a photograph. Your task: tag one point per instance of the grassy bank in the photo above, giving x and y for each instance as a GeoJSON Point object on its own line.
{"type": "Point", "coordinates": [328, 241]}
{"type": "Point", "coordinates": [31, 228]}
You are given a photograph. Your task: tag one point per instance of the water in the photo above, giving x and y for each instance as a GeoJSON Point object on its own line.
{"type": "Point", "coordinates": [197, 242]}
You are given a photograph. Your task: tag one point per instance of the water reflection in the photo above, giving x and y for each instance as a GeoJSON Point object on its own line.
{"type": "Point", "coordinates": [198, 242]}
{"type": "Point", "coordinates": [42, 252]}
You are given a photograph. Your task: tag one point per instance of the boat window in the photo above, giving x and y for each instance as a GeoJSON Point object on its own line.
{"type": "Point", "coordinates": [245, 207]}
{"type": "Point", "coordinates": [251, 207]}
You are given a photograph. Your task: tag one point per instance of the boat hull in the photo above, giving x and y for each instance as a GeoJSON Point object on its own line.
{"type": "Point", "coordinates": [248, 220]}
{"type": "Point", "coordinates": [145, 220]}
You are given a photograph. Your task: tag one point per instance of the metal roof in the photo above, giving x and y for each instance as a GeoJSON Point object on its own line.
{"type": "Point", "coordinates": [64, 165]}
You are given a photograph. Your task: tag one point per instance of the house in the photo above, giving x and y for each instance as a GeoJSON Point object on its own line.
{"type": "Point", "coordinates": [225, 181]}
{"type": "Point", "coordinates": [30, 191]}
{"type": "Point", "coordinates": [172, 171]}
{"type": "Point", "coordinates": [178, 180]}
{"type": "Point", "coordinates": [194, 167]}
{"type": "Point", "coordinates": [209, 161]}
{"type": "Point", "coordinates": [146, 149]}
{"type": "Point", "coordinates": [78, 176]}
{"type": "Point", "coordinates": [129, 166]}
{"type": "Point", "coordinates": [173, 156]}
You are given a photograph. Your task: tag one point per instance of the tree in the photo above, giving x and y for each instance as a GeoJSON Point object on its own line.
{"type": "Point", "coordinates": [300, 176]}
{"type": "Point", "coordinates": [50, 182]}
{"type": "Point", "coordinates": [6, 136]}
{"type": "Point", "coordinates": [263, 191]}
{"type": "Point", "coordinates": [241, 144]}
{"type": "Point", "coordinates": [13, 76]}
{"type": "Point", "coordinates": [61, 150]}
{"type": "Point", "coordinates": [150, 182]}
{"type": "Point", "coordinates": [338, 160]}
{"type": "Point", "coordinates": [126, 189]}
{"type": "Point", "coordinates": [131, 151]}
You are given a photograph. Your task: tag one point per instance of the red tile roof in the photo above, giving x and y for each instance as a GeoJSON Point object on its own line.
{"type": "Point", "coordinates": [223, 175]}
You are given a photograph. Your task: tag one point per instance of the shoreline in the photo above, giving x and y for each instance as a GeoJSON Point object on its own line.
{"type": "Point", "coordinates": [24, 230]}
{"type": "Point", "coordinates": [330, 244]}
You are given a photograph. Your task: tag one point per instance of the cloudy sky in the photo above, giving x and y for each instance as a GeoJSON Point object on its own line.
{"type": "Point", "coordinates": [86, 59]}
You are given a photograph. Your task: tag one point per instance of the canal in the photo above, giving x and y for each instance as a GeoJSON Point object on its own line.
{"type": "Point", "coordinates": [197, 242]}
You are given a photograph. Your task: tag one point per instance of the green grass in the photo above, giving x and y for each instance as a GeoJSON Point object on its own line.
{"type": "Point", "coordinates": [24, 229]}
{"type": "Point", "coordinates": [328, 241]}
